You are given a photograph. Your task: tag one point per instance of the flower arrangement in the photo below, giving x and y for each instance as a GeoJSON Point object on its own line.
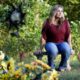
{"type": "Point", "coordinates": [36, 70]}
{"type": "Point", "coordinates": [50, 75]}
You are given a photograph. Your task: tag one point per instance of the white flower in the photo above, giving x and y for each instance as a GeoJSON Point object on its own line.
{"type": "Point", "coordinates": [2, 55]}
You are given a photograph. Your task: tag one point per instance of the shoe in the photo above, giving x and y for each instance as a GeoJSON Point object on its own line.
{"type": "Point", "coordinates": [61, 69]}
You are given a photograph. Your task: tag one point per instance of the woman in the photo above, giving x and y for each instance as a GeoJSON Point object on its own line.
{"type": "Point", "coordinates": [56, 37]}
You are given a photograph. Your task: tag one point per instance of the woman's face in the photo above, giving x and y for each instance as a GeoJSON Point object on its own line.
{"type": "Point", "coordinates": [59, 13]}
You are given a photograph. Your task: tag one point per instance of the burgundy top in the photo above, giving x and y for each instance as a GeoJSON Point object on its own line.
{"type": "Point", "coordinates": [51, 33]}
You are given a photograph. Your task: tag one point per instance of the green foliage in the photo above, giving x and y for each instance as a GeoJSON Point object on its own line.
{"type": "Point", "coordinates": [71, 7]}
{"type": "Point", "coordinates": [36, 12]}
{"type": "Point", "coordinates": [75, 35]}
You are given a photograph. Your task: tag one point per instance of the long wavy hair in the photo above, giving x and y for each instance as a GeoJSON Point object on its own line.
{"type": "Point", "coordinates": [53, 13]}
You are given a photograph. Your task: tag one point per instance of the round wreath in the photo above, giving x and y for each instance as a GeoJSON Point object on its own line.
{"type": "Point", "coordinates": [15, 18]}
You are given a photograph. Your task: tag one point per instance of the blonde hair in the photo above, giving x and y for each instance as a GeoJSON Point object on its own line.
{"type": "Point", "coordinates": [53, 12]}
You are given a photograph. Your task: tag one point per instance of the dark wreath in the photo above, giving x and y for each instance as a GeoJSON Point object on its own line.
{"type": "Point", "coordinates": [15, 18]}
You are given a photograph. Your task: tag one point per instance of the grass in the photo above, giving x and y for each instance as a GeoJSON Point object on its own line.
{"type": "Point", "coordinates": [74, 74]}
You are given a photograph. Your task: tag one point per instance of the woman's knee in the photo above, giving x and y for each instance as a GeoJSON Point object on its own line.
{"type": "Point", "coordinates": [51, 48]}
{"type": "Point", "coordinates": [66, 48]}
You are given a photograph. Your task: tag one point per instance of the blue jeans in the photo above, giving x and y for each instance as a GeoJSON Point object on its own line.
{"type": "Point", "coordinates": [53, 49]}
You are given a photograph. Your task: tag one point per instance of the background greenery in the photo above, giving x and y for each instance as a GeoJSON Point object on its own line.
{"type": "Point", "coordinates": [29, 41]}
{"type": "Point", "coordinates": [36, 12]}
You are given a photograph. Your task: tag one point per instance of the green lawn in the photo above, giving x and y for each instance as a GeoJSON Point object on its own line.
{"type": "Point", "coordinates": [74, 74]}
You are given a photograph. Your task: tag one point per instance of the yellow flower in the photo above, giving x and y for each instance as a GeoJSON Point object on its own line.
{"type": "Point", "coordinates": [44, 65]}
{"type": "Point", "coordinates": [20, 64]}
{"type": "Point", "coordinates": [11, 65]}
{"type": "Point", "coordinates": [23, 77]}
{"type": "Point", "coordinates": [3, 64]}
{"type": "Point", "coordinates": [54, 75]}
{"type": "Point", "coordinates": [28, 66]}
{"type": "Point", "coordinates": [44, 77]}
{"type": "Point", "coordinates": [19, 71]}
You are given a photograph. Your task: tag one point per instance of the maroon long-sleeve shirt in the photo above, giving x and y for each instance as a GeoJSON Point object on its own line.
{"type": "Point", "coordinates": [51, 33]}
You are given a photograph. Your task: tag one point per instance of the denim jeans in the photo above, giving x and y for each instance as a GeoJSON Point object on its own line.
{"type": "Point", "coordinates": [53, 49]}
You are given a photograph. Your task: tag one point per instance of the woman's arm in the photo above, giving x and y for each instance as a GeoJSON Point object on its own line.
{"type": "Point", "coordinates": [43, 35]}
{"type": "Point", "coordinates": [69, 41]}
{"type": "Point", "coordinates": [69, 37]}
{"type": "Point", "coordinates": [42, 43]}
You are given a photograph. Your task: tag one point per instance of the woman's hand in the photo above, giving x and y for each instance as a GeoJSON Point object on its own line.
{"type": "Point", "coordinates": [38, 52]}
{"type": "Point", "coordinates": [72, 52]}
